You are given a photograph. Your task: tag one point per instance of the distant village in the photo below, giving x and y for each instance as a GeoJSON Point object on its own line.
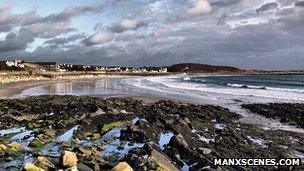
{"type": "Point", "coordinates": [20, 65]}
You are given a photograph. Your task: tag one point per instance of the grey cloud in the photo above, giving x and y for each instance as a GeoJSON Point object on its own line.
{"type": "Point", "coordinates": [97, 38]}
{"type": "Point", "coordinates": [66, 15]}
{"type": "Point", "coordinates": [15, 41]}
{"type": "Point", "coordinates": [65, 40]}
{"type": "Point", "coordinates": [268, 6]}
{"type": "Point", "coordinates": [225, 3]}
{"type": "Point", "coordinates": [127, 24]}
{"type": "Point", "coordinates": [33, 26]}
{"type": "Point", "coordinates": [299, 4]}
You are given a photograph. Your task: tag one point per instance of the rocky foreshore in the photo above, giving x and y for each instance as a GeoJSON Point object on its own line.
{"type": "Point", "coordinates": [290, 113]}
{"type": "Point", "coordinates": [93, 133]}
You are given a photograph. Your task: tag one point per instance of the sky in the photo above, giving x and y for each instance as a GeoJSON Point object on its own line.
{"type": "Point", "coordinates": [249, 34]}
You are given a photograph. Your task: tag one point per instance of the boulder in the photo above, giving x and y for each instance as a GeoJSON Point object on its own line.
{"type": "Point", "coordinates": [163, 162]}
{"type": "Point", "coordinates": [32, 167]}
{"type": "Point", "coordinates": [68, 159]}
{"type": "Point", "coordinates": [178, 141]}
{"type": "Point", "coordinates": [123, 112]}
{"type": "Point", "coordinates": [205, 150]}
{"type": "Point", "coordinates": [97, 113]}
{"type": "Point", "coordinates": [44, 163]}
{"type": "Point", "coordinates": [15, 147]}
{"type": "Point", "coordinates": [73, 168]}
{"type": "Point", "coordinates": [122, 166]}
{"type": "Point", "coordinates": [50, 132]}
{"type": "Point", "coordinates": [83, 167]}
{"type": "Point", "coordinates": [82, 151]}
{"type": "Point", "coordinates": [3, 149]}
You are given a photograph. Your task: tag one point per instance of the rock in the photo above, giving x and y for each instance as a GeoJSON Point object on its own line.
{"type": "Point", "coordinates": [44, 163]}
{"type": "Point", "coordinates": [50, 132]}
{"type": "Point", "coordinates": [68, 159]}
{"type": "Point", "coordinates": [82, 151]}
{"type": "Point", "coordinates": [73, 168]}
{"type": "Point", "coordinates": [122, 166]}
{"type": "Point", "coordinates": [31, 167]}
{"type": "Point", "coordinates": [123, 112]}
{"type": "Point", "coordinates": [113, 111]}
{"type": "Point", "coordinates": [163, 162]}
{"type": "Point", "coordinates": [15, 147]}
{"type": "Point", "coordinates": [97, 113]}
{"type": "Point", "coordinates": [3, 149]}
{"type": "Point", "coordinates": [178, 141]}
{"type": "Point", "coordinates": [187, 120]}
{"type": "Point", "coordinates": [83, 167]}
{"type": "Point", "coordinates": [134, 134]}
{"type": "Point", "coordinates": [205, 150]}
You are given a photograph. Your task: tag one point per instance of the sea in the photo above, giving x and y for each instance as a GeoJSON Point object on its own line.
{"type": "Point", "coordinates": [225, 88]}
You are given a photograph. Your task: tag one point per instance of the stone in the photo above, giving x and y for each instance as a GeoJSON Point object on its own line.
{"type": "Point", "coordinates": [123, 112]}
{"type": "Point", "coordinates": [44, 163]}
{"type": "Point", "coordinates": [122, 166]}
{"type": "Point", "coordinates": [179, 141]}
{"type": "Point", "coordinates": [164, 163]}
{"type": "Point", "coordinates": [15, 147]}
{"type": "Point", "coordinates": [3, 149]}
{"type": "Point", "coordinates": [82, 151]}
{"type": "Point", "coordinates": [205, 150]}
{"type": "Point", "coordinates": [68, 159]}
{"type": "Point", "coordinates": [50, 132]}
{"type": "Point", "coordinates": [83, 167]}
{"type": "Point", "coordinates": [73, 168]}
{"type": "Point", "coordinates": [32, 167]}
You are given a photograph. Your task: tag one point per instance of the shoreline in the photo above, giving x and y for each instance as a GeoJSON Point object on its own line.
{"type": "Point", "coordinates": [11, 88]}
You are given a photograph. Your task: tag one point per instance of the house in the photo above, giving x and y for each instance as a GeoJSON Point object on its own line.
{"type": "Point", "coordinates": [15, 63]}
{"type": "Point", "coordinates": [163, 70]}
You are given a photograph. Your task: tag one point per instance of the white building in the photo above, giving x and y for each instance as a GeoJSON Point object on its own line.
{"type": "Point", "coordinates": [16, 63]}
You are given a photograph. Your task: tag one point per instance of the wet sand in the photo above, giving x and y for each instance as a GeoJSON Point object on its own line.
{"type": "Point", "coordinates": [7, 90]}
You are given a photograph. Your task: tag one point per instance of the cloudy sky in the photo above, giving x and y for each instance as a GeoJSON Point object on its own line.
{"type": "Point", "coordinates": [261, 34]}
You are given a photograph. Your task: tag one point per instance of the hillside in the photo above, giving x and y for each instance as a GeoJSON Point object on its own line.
{"type": "Point", "coordinates": [201, 68]}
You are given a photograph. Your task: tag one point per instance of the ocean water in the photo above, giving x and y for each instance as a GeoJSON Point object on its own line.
{"type": "Point", "coordinates": [226, 89]}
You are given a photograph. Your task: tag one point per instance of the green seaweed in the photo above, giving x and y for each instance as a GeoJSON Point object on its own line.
{"type": "Point", "coordinates": [96, 136]}
{"type": "Point", "coordinates": [108, 127]}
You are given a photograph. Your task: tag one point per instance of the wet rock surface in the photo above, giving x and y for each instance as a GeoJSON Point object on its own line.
{"type": "Point", "coordinates": [94, 133]}
{"type": "Point", "coordinates": [289, 113]}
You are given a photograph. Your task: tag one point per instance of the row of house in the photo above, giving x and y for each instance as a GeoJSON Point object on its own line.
{"type": "Point", "coordinates": [34, 66]}
{"type": "Point", "coordinates": [54, 66]}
